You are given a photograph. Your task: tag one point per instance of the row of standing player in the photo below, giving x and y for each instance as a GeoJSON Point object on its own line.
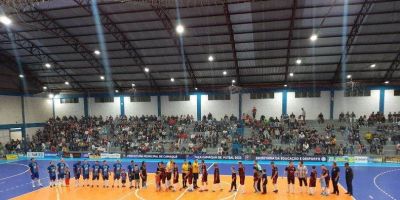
{"type": "Point", "coordinates": [190, 174]}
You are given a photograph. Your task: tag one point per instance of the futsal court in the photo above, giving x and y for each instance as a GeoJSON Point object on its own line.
{"type": "Point", "coordinates": [371, 182]}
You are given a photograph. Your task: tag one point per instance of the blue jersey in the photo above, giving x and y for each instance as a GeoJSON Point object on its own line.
{"type": "Point", "coordinates": [105, 169]}
{"type": "Point", "coordinates": [130, 169]}
{"type": "Point", "coordinates": [117, 168]}
{"type": "Point", "coordinates": [77, 168]}
{"type": "Point", "coordinates": [96, 169]}
{"type": "Point", "coordinates": [86, 169]}
{"type": "Point", "coordinates": [34, 167]}
{"type": "Point", "coordinates": [52, 170]}
{"type": "Point", "coordinates": [61, 168]}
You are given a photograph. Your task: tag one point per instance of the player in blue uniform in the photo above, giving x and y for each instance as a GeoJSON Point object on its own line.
{"type": "Point", "coordinates": [34, 169]}
{"type": "Point", "coordinates": [85, 173]}
{"type": "Point", "coordinates": [117, 172]}
{"type": "Point", "coordinates": [130, 173]}
{"type": "Point", "coordinates": [96, 173]}
{"type": "Point", "coordinates": [77, 172]}
{"type": "Point", "coordinates": [61, 172]}
{"type": "Point", "coordinates": [52, 170]}
{"type": "Point", "coordinates": [105, 172]}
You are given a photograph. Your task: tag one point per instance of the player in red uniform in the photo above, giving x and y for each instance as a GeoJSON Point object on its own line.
{"type": "Point", "coordinates": [255, 179]}
{"type": "Point", "coordinates": [190, 177]}
{"type": "Point", "coordinates": [241, 176]}
{"type": "Point", "coordinates": [325, 174]}
{"type": "Point", "coordinates": [274, 176]}
{"type": "Point", "coordinates": [313, 180]}
{"type": "Point", "coordinates": [217, 180]}
{"type": "Point", "coordinates": [204, 176]}
{"type": "Point", "coordinates": [233, 184]}
{"type": "Point", "coordinates": [290, 172]}
{"type": "Point", "coordinates": [175, 180]}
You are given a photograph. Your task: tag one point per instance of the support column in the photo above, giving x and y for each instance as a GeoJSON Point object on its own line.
{"type": "Point", "coordinates": [284, 102]}
{"type": "Point", "coordinates": [159, 105]}
{"type": "Point", "coordinates": [122, 105]}
{"type": "Point", "coordinates": [23, 127]}
{"type": "Point", "coordinates": [382, 100]}
{"type": "Point", "coordinates": [53, 104]}
{"type": "Point", "coordinates": [240, 106]}
{"type": "Point", "coordinates": [86, 105]}
{"type": "Point", "coordinates": [332, 104]}
{"type": "Point", "coordinates": [198, 107]}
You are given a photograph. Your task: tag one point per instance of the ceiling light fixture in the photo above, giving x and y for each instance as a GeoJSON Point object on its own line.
{"type": "Point", "coordinates": [298, 61]}
{"type": "Point", "coordinates": [5, 20]}
{"type": "Point", "coordinates": [314, 37]}
{"type": "Point", "coordinates": [349, 76]}
{"type": "Point", "coordinates": [102, 77]}
{"type": "Point", "coordinates": [146, 69]}
{"type": "Point", "coordinates": [180, 29]}
{"type": "Point", "coordinates": [172, 79]}
{"type": "Point", "coordinates": [210, 58]}
{"type": "Point", "coordinates": [291, 74]}
{"type": "Point", "coordinates": [97, 52]}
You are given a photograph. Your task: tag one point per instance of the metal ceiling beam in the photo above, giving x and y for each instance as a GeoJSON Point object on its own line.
{"type": "Point", "coordinates": [394, 66]}
{"type": "Point", "coordinates": [358, 22]}
{"type": "Point", "coordinates": [169, 27]}
{"type": "Point", "coordinates": [232, 40]}
{"type": "Point", "coordinates": [189, 17]}
{"type": "Point", "coordinates": [118, 34]}
{"type": "Point", "coordinates": [39, 54]}
{"type": "Point", "coordinates": [210, 69]}
{"type": "Point", "coordinates": [223, 33]}
{"type": "Point", "coordinates": [289, 45]}
{"type": "Point", "coordinates": [239, 59]}
{"type": "Point", "coordinates": [54, 28]}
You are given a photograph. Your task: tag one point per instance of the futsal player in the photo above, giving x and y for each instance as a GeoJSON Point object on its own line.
{"type": "Point", "coordinates": [130, 173]}
{"type": "Point", "coordinates": [85, 173]}
{"type": "Point", "coordinates": [255, 179]}
{"type": "Point", "coordinates": [335, 178]}
{"type": "Point", "coordinates": [313, 180]}
{"type": "Point", "coordinates": [175, 178]}
{"type": "Point", "coordinates": [190, 177]}
{"type": "Point", "coordinates": [34, 169]}
{"type": "Point", "coordinates": [117, 173]}
{"type": "Point", "coordinates": [96, 173]}
{"type": "Point", "coordinates": [123, 177]}
{"type": "Point", "coordinates": [242, 176]}
{"type": "Point", "coordinates": [264, 180]}
{"type": "Point", "coordinates": [105, 172]}
{"type": "Point", "coordinates": [52, 170]}
{"type": "Point", "coordinates": [290, 171]}
{"type": "Point", "coordinates": [185, 168]}
{"type": "Point", "coordinates": [233, 183]}
{"type": "Point", "coordinates": [195, 173]}
{"type": "Point", "coordinates": [324, 175]}
{"type": "Point", "coordinates": [274, 176]}
{"type": "Point", "coordinates": [61, 172]}
{"type": "Point", "coordinates": [67, 176]}
{"type": "Point", "coordinates": [204, 175]}
{"type": "Point", "coordinates": [217, 179]}
{"type": "Point", "coordinates": [136, 176]}
{"type": "Point", "coordinates": [77, 167]}
{"type": "Point", "coordinates": [143, 174]}
{"type": "Point", "coordinates": [168, 169]}
{"type": "Point", "coordinates": [302, 172]}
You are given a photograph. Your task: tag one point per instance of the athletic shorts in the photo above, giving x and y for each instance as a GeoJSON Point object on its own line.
{"type": "Point", "coordinates": [196, 176]}
{"type": "Point", "coordinates": [61, 176]}
{"type": "Point", "coordinates": [275, 180]}
{"type": "Point", "coordinates": [323, 182]}
{"type": "Point", "coordinates": [117, 177]}
{"type": "Point", "coordinates": [290, 180]}
{"type": "Point", "coordinates": [85, 176]}
{"type": "Point", "coordinates": [303, 180]}
{"type": "Point", "coordinates": [105, 178]}
{"type": "Point", "coordinates": [168, 174]}
{"type": "Point", "coordinates": [35, 176]}
{"type": "Point", "coordinates": [123, 181]}
{"type": "Point", "coordinates": [77, 176]}
{"type": "Point", "coordinates": [204, 178]}
{"type": "Point", "coordinates": [53, 178]}
{"type": "Point", "coordinates": [131, 178]}
{"type": "Point", "coordinates": [241, 180]}
{"type": "Point", "coordinates": [95, 177]}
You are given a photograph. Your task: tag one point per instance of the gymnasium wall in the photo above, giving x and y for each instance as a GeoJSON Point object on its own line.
{"type": "Point", "coordinates": [69, 109]}
{"type": "Point", "coordinates": [218, 108]}
{"type": "Point", "coordinates": [266, 107]}
{"type": "Point", "coordinates": [104, 109]}
{"type": "Point", "coordinates": [313, 106]}
{"type": "Point", "coordinates": [179, 107]}
{"type": "Point", "coordinates": [140, 108]}
{"type": "Point", "coordinates": [38, 109]}
{"type": "Point", "coordinates": [392, 103]}
{"type": "Point", "coordinates": [10, 110]}
{"type": "Point", "coordinates": [360, 105]}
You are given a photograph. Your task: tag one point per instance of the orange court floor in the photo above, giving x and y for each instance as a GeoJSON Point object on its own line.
{"type": "Point", "coordinates": [88, 193]}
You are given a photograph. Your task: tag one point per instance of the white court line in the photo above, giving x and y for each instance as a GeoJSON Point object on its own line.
{"type": "Point", "coordinates": [371, 197]}
{"type": "Point", "coordinates": [183, 193]}
{"type": "Point", "coordinates": [137, 193]}
{"type": "Point", "coordinates": [230, 196]}
{"type": "Point", "coordinates": [379, 188]}
{"type": "Point", "coordinates": [15, 174]}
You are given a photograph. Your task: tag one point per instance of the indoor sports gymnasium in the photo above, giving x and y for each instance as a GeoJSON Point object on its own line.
{"type": "Point", "coordinates": [199, 99]}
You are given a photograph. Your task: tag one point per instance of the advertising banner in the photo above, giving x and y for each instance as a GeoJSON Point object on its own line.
{"type": "Point", "coordinates": [11, 156]}
{"type": "Point", "coordinates": [50, 154]}
{"type": "Point", "coordinates": [35, 154]}
{"type": "Point", "coordinates": [110, 155]}
{"type": "Point", "coordinates": [292, 158]}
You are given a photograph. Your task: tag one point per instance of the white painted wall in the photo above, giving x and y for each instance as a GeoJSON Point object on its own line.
{"type": "Point", "coordinates": [266, 107]}
{"type": "Point", "coordinates": [140, 108]}
{"type": "Point", "coordinates": [312, 106]}
{"type": "Point", "coordinates": [69, 109]}
{"type": "Point", "coordinates": [358, 105]}
{"type": "Point", "coordinates": [218, 108]}
{"type": "Point", "coordinates": [179, 107]}
{"type": "Point", "coordinates": [10, 110]}
{"type": "Point", "coordinates": [104, 109]}
{"type": "Point", "coordinates": [38, 109]}
{"type": "Point", "coordinates": [4, 136]}
{"type": "Point", "coordinates": [392, 103]}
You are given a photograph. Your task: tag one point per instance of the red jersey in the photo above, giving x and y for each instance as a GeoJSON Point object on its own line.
{"type": "Point", "coordinates": [255, 176]}
{"type": "Point", "coordinates": [176, 175]}
{"type": "Point", "coordinates": [290, 170]}
{"type": "Point", "coordinates": [216, 175]}
{"type": "Point", "coordinates": [241, 171]}
{"type": "Point", "coordinates": [204, 169]}
{"type": "Point", "coordinates": [313, 178]}
{"type": "Point", "coordinates": [274, 172]}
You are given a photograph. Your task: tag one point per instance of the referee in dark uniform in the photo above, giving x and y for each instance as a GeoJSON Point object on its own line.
{"type": "Point", "coordinates": [335, 178]}
{"type": "Point", "coordinates": [349, 179]}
